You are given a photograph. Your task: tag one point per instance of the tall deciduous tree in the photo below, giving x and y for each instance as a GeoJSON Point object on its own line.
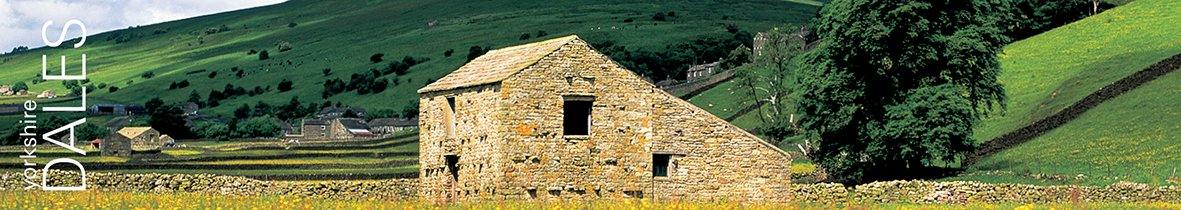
{"type": "Point", "coordinates": [895, 86]}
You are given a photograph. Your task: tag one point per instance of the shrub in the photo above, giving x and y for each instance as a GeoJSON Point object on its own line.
{"type": "Point", "coordinates": [292, 25]}
{"type": "Point", "coordinates": [541, 33]}
{"type": "Point", "coordinates": [252, 52]}
{"type": "Point", "coordinates": [242, 112]}
{"type": "Point", "coordinates": [20, 86]}
{"type": "Point", "coordinates": [327, 72]}
{"type": "Point", "coordinates": [376, 58]}
{"type": "Point", "coordinates": [448, 53]}
{"type": "Point", "coordinates": [285, 85]}
{"type": "Point", "coordinates": [629, 20]}
{"type": "Point", "coordinates": [112, 89]}
{"type": "Point", "coordinates": [284, 46]}
{"type": "Point", "coordinates": [148, 75]}
{"type": "Point", "coordinates": [211, 130]}
{"type": "Point", "coordinates": [263, 55]}
{"type": "Point", "coordinates": [213, 74]}
{"type": "Point", "coordinates": [672, 14]}
{"type": "Point", "coordinates": [525, 36]}
{"type": "Point", "coordinates": [475, 52]}
{"type": "Point", "coordinates": [659, 16]}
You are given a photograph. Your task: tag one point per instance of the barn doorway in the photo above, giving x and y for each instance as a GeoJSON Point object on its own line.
{"type": "Point", "coordinates": [453, 166]}
{"type": "Point", "coordinates": [452, 169]}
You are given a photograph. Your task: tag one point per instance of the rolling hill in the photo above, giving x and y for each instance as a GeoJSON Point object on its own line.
{"type": "Point", "coordinates": [213, 51]}
{"type": "Point", "coordinates": [1129, 137]}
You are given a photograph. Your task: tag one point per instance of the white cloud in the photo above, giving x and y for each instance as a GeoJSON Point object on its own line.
{"type": "Point", "coordinates": [21, 20]}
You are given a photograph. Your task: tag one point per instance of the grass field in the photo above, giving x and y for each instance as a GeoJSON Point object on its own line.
{"type": "Point", "coordinates": [1132, 137]}
{"type": "Point", "coordinates": [125, 200]}
{"type": "Point", "coordinates": [343, 36]}
{"type": "Point", "coordinates": [262, 159]}
{"type": "Point", "coordinates": [1048, 72]}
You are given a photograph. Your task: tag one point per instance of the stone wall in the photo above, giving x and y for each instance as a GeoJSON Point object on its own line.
{"type": "Point", "coordinates": [471, 134]}
{"type": "Point", "coordinates": [390, 189]}
{"type": "Point", "coordinates": [959, 192]}
{"type": "Point", "coordinates": [925, 192]}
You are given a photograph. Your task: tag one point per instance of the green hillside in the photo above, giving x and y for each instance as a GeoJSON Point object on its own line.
{"type": "Point", "coordinates": [1131, 137]}
{"type": "Point", "coordinates": [343, 36]}
{"type": "Point", "coordinates": [1046, 73]}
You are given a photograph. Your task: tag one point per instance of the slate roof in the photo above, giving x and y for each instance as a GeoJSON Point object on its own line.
{"type": "Point", "coordinates": [353, 123]}
{"type": "Point", "coordinates": [314, 122]}
{"type": "Point", "coordinates": [497, 65]}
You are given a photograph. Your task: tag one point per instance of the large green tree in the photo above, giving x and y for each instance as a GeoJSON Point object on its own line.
{"type": "Point", "coordinates": [895, 86]}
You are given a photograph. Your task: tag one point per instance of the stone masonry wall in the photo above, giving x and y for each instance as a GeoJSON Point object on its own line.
{"type": "Point", "coordinates": [632, 120]}
{"type": "Point", "coordinates": [474, 139]}
{"type": "Point", "coordinates": [390, 189]}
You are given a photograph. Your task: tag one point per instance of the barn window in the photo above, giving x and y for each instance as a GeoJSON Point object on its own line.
{"type": "Point", "coordinates": [660, 164]}
{"type": "Point", "coordinates": [576, 118]}
{"type": "Point", "coordinates": [450, 116]}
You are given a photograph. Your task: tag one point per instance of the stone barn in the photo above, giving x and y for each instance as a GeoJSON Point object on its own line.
{"type": "Point", "coordinates": [557, 120]}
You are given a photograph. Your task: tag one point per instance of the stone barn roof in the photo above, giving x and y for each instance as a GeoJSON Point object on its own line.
{"type": "Point", "coordinates": [497, 65]}
{"type": "Point", "coordinates": [132, 132]}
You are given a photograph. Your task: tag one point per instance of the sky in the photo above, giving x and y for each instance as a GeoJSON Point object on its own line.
{"type": "Point", "coordinates": [21, 20]}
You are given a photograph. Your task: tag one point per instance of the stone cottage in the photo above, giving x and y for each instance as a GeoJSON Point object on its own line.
{"type": "Point", "coordinates": [314, 129]}
{"type": "Point", "coordinates": [349, 128]}
{"type": "Point", "coordinates": [144, 138]}
{"type": "Point", "coordinates": [557, 120]}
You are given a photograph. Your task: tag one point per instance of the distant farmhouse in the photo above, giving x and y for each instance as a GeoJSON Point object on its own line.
{"type": "Point", "coordinates": [558, 120]}
{"type": "Point", "coordinates": [701, 71]}
{"type": "Point", "coordinates": [129, 139]}
{"type": "Point", "coordinates": [314, 129]}
{"type": "Point", "coordinates": [349, 128]}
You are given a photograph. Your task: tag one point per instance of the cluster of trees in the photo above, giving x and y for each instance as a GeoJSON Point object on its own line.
{"type": "Point", "coordinates": [228, 92]}
{"type": "Point", "coordinates": [261, 120]}
{"type": "Point", "coordinates": [372, 81]}
{"type": "Point", "coordinates": [254, 127]}
{"type": "Point", "coordinates": [768, 80]}
{"type": "Point", "coordinates": [676, 58]}
{"type": "Point", "coordinates": [1031, 17]}
{"type": "Point", "coordinates": [892, 95]}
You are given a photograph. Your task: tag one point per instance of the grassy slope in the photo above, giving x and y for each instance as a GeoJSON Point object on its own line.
{"type": "Point", "coordinates": [1128, 138]}
{"type": "Point", "coordinates": [343, 36]}
{"type": "Point", "coordinates": [1045, 73]}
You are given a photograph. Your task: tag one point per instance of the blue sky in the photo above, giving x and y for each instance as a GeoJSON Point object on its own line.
{"type": "Point", "coordinates": [21, 20]}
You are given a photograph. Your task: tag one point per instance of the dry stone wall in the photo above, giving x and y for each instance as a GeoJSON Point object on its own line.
{"type": "Point", "coordinates": [927, 192]}
{"type": "Point", "coordinates": [390, 189]}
